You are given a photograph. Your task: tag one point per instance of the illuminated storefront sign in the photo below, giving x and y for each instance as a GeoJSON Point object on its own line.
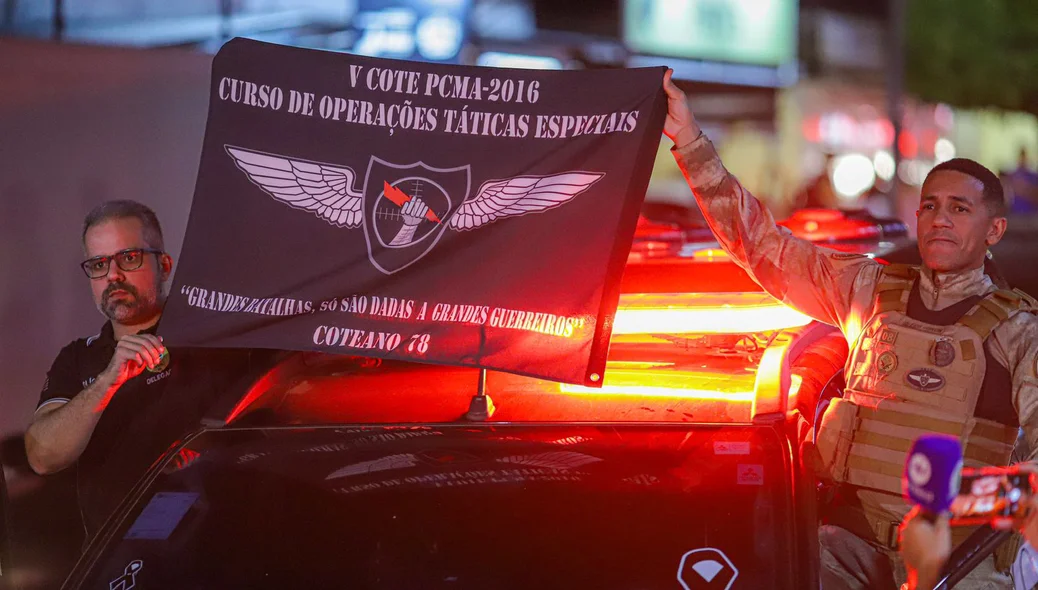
{"type": "Point", "coordinates": [759, 32]}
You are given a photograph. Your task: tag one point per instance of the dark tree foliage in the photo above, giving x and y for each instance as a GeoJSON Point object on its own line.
{"type": "Point", "coordinates": [973, 53]}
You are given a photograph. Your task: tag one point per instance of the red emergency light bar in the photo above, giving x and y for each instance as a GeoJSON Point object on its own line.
{"type": "Point", "coordinates": [826, 225]}
{"type": "Point", "coordinates": [703, 313]}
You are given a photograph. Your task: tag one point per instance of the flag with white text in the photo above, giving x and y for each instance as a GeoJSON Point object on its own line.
{"type": "Point", "coordinates": [444, 214]}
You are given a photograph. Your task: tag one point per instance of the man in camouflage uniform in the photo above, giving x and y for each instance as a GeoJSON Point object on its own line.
{"type": "Point", "coordinates": [937, 348]}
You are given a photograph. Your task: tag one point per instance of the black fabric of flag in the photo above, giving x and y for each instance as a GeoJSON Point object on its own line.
{"type": "Point", "coordinates": [455, 215]}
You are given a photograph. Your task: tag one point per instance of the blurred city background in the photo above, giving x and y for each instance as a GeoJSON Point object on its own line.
{"type": "Point", "coordinates": [842, 104]}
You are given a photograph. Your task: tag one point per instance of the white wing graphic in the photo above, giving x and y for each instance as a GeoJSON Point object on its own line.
{"type": "Point", "coordinates": [519, 196]}
{"type": "Point", "coordinates": [552, 460]}
{"type": "Point", "coordinates": [384, 464]}
{"type": "Point", "coordinates": [324, 189]}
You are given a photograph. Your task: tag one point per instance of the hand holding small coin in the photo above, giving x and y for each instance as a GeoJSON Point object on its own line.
{"type": "Point", "coordinates": [134, 354]}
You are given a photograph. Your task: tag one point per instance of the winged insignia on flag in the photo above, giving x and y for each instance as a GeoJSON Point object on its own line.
{"type": "Point", "coordinates": [409, 208]}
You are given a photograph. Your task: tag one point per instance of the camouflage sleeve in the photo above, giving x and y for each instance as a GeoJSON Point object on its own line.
{"type": "Point", "coordinates": [1014, 343]}
{"type": "Point", "coordinates": [823, 284]}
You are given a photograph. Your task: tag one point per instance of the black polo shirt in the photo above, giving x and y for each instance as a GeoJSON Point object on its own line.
{"type": "Point", "coordinates": [144, 417]}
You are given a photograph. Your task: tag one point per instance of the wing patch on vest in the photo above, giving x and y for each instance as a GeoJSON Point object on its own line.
{"type": "Point", "coordinates": [925, 379]}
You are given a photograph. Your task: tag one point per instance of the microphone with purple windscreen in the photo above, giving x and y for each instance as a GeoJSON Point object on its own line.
{"type": "Point", "coordinates": [933, 467]}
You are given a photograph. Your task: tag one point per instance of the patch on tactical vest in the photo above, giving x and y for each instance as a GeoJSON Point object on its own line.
{"type": "Point", "coordinates": [925, 379]}
{"type": "Point", "coordinates": [942, 353]}
{"type": "Point", "coordinates": [888, 336]}
{"type": "Point", "coordinates": [887, 362]}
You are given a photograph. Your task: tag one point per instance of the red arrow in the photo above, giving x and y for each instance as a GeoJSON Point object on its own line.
{"type": "Point", "coordinates": [400, 197]}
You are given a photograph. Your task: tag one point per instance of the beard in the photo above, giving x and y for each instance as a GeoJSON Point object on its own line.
{"type": "Point", "coordinates": [132, 307]}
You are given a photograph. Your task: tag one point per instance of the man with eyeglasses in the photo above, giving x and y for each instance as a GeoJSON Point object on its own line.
{"type": "Point", "coordinates": [111, 403]}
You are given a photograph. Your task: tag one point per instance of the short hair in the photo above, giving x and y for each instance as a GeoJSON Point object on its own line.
{"type": "Point", "coordinates": [994, 195]}
{"type": "Point", "coordinates": [127, 209]}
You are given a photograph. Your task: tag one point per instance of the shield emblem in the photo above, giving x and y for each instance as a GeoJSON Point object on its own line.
{"type": "Point", "coordinates": [396, 237]}
{"type": "Point", "coordinates": [706, 569]}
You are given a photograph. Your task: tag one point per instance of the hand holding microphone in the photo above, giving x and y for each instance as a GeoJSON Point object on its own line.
{"type": "Point", "coordinates": [925, 544]}
{"type": "Point", "coordinates": [946, 495]}
{"type": "Point", "coordinates": [935, 481]}
{"type": "Point", "coordinates": [931, 482]}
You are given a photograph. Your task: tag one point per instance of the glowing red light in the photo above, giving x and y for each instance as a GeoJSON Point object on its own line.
{"type": "Point", "coordinates": [728, 313]}
{"type": "Point", "coordinates": [658, 391]}
{"type": "Point", "coordinates": [811, 130]}
{"type": "Point", "coordinates": [908, 144]}
{"type": "Point", "coordinates": [826, 225]}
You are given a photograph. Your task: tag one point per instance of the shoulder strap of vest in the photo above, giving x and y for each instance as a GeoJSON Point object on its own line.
{"type": "Point", "coordinates": [1032, 302]}
{"type": "Point", "coordinates": [995, 308]}
{"type": "Point", "coordinates": [894, 286]}
{"type": "Point", "coordinates": [901, 271]}
{"type": "Point", "coordinates": [1018, 298]}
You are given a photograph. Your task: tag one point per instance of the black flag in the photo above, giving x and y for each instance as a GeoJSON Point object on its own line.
{"type": "Point", "coordinates": [444, 214]}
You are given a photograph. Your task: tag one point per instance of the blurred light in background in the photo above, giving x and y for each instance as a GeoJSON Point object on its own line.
{"type": "Point", "coordinates": [497, 59]}
{"type": "Point", "coordinates": [944, 116]}
{"type": "Point", "coordinates": [883, 162]}
{"type": "Point", "coordinates": [913, 172]}
{"type": "Point", "coordinates": [430, 30]}
{"type": "Point", "coordinates": [853, 174]}
{"type": "Point", "coordinates": [386, 33]}
{"type": "Point", "coordinates": [439, 37]}
{"type": "Point", "coordinates": [754, 32]}
{"type": "Point", "coordinates": [720, 73]}
{"type": "Point", "coordinates": [504, 20]}
{"type": "Point", "coordinates": [943, 150]}
{"type": "Point", "coordinates": [836, 129]}
{"type": "Point", "coordinates": [908, 144]}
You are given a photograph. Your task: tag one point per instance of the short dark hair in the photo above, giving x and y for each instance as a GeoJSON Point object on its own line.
{"type": "Point", "coordinates": [994, 195]}
{"type": "Point", "coordinates": [127, 209]}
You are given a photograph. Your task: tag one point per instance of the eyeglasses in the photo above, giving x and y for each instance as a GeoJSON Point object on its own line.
{"type": "Point", "coordinates": [127, 260]}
